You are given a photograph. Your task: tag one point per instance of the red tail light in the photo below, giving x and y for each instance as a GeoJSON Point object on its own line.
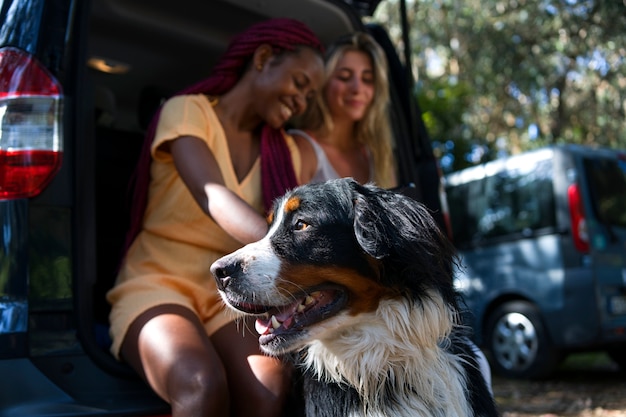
{"type": "Point", "coordinates": [31, 140]}
{"type": "Point", "coordinates": [577, 214]}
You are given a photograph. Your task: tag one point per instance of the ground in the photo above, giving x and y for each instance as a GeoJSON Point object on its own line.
{"type": "Point", "coordinates": [587, 385]}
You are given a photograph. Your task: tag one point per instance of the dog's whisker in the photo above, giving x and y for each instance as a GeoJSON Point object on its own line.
{"type": "Point", "coordinates": [291, 283]}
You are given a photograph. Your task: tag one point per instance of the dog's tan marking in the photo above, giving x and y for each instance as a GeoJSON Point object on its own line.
{"type": "Point", "coordinates": [365, 294]}
{"type": "Point", "coordinates": [292, 204]}
{"type": "Point", "coordinates": [270, 218]}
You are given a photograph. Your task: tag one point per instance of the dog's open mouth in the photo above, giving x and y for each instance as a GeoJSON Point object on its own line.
{"type": "Point", "coordinates": [312, 307]}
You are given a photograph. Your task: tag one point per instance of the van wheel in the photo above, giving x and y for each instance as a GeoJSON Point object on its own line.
{"type": "Point", "coordinates": [518, 343]}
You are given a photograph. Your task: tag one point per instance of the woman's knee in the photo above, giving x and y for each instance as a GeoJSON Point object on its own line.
{"type": "Point", "coordinates": [169, 347]}
{"type": "Point", "coordinates": [199, 385]}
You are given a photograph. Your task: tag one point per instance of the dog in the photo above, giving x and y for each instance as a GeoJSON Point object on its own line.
{"type": "Point", "coordinates": [354, 283]}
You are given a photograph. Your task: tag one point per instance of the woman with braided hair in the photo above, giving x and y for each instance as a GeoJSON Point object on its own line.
{"type": "Point", "coordinates": [215, 157]}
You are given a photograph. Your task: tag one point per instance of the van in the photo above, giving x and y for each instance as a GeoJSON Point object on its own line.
{"type": "Point", "coordinates": [79, 81]}
{"type": "Point", "coordinates": [542, 244]}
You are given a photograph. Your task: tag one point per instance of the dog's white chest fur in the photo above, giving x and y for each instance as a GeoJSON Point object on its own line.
{"type": "Point", "coordinates": [389, 357]}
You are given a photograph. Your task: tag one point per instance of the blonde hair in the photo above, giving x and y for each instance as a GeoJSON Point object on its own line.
{"type": "Point", "coordinates": [374, 130]}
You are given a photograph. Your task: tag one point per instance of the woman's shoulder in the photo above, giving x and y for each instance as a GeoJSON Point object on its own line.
{"type": "Point", "coordinates": [187, 99]}
{"type": "Point", "coordinates": [194, 108]}
{"type": "Point", "coordinates": [309, 153]}
{"type": "Point", "coordinates": [306, 140]}
{"type": "Point", "coordinates": [188, 115]}
{"type": "Point", "coordinates": [301, 133]}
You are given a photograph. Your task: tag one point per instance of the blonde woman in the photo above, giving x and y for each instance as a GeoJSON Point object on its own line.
{"type": "Point", "coordinates": [347, 132]}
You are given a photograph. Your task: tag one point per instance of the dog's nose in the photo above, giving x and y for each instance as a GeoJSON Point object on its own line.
{"type": "Point", "coordinates": [223, 270]}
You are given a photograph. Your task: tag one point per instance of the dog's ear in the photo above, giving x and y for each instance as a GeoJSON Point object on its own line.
{"type": "Point", "coordinates": [371, 224]}
{"type": "Point", "coordinates": [387, 223]}
{"type": "Point", "coordinates": [401, 233]}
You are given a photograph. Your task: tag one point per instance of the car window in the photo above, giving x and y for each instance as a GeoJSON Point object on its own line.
{"type": "Point", "coordinates": [607, 186]}
{"type": "Point", "coordinates": [511, 202]}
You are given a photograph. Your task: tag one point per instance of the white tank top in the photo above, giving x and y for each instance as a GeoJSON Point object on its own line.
{"type": "Point", "coordinates": [325, 170]}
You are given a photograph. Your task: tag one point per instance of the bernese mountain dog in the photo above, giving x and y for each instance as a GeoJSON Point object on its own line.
{"type": "Point", "coordinates": [354, 283]}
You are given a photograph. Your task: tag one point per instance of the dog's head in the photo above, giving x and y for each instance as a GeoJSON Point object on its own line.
{"type": "Point", "coordinates": [333, 251]}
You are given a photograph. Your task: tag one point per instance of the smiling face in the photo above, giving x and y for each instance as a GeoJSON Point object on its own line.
{"type": "Point", "coordinates": [286, 83]}
{"type": "Point", "coordinates": [351, 85]}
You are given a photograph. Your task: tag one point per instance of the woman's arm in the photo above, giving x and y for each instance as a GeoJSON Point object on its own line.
{"type": "Point", "coordinates": [198, 169]}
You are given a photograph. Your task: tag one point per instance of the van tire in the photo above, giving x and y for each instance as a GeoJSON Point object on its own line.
{"type": "Point", "coordinates": [518, 343]}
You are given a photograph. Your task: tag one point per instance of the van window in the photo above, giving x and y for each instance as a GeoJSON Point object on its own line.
{"type": "Point", "coordinates": [607, 185]}
{"type": "Point", "coordinates": [517, 200]}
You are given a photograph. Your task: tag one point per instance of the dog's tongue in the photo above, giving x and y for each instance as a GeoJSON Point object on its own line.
{"type": "Point", "coordinates": [262, 326]}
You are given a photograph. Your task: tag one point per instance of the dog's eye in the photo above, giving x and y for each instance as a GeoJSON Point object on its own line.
{"type": "Point", "coordinates": [300, 225]}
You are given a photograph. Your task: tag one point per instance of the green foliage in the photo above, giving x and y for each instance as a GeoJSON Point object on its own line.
{"type": "Point", "coordinates": [506, 76]}
{"type": "Point", "coordinates": [50, 273]}
{"type": "Point", "coordinates": [443, 105]}
{"type": "Point", "coordinates": [51, 278]}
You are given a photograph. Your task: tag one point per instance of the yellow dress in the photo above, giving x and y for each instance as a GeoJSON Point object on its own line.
{"type": "Point", "coordinates": [169, 261]}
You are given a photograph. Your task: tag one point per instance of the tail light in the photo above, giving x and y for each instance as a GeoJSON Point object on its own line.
{"type": "Point", "coordinates": [577, 215]}
{"type": "Point", "coordinates": [31, 143]}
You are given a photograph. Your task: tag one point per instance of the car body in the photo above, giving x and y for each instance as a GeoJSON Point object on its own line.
{"type": "Point", "coordinates": [542, 239]}
{"type": "Point", "coordinates": [80, 81]}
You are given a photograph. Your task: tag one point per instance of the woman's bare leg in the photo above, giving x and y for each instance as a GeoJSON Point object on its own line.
{"type": "Point", "coordinates": [169, 347]}
{"type": "Point", "coordinates": [258, 383]}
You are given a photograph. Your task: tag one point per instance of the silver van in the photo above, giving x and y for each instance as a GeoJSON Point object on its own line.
{"type": "Point", "coordinates": [542, 240]}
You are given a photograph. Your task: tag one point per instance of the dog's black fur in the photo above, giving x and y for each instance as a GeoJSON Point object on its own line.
{"type": "Point", "coordinates": [354, 283]}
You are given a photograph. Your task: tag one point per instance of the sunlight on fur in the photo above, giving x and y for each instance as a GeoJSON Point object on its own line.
{"type": "Point", "coordinates": [381, 347]}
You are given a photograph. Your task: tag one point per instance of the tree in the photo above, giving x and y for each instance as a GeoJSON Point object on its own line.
{"type": "Point", "coordinates": [517, 74]}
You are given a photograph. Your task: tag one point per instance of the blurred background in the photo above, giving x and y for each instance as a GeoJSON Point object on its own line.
{"type": "Point", "coordinates": [496, 78]}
